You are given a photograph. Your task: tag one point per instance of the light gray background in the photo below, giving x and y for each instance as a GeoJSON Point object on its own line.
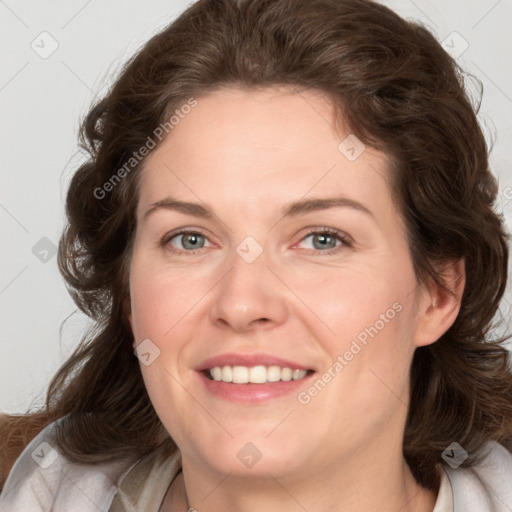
{"type": "Point", "coordinates": [42, 100]}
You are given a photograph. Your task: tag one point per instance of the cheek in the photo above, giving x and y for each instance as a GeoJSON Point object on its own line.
{"type": "Point", "coordinates": [370, 347]}
{"type": "Point", "coordinates": [160, 301]}
{"type": "Point", "coordinates": [350, 301]}
{"type": "Point", "coordinates": [370, 318]}
{"type": "Point", "coordinates": [160, 298]}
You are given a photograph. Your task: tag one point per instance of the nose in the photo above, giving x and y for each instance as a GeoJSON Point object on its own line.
{"type": "Point", "coordinates": [249, 296]}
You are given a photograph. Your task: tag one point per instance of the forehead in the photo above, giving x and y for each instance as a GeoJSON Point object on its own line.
{"type": "Point", "coordinates": [258, 123]}
{"type": "Point", "coordinates": [272, 145]}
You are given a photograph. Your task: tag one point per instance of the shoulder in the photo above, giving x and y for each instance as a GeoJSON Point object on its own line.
{"type": "Point", "coordinates": [43, 479]}
{"type": "Point", "coordinates": [486, 486]}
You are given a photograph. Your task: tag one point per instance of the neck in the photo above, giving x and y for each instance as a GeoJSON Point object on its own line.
{"type": "Point", "coordinates": [387, 488]}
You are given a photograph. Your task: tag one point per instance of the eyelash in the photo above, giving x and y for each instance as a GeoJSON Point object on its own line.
{"type": "Point", "coordinates": [342, 237]}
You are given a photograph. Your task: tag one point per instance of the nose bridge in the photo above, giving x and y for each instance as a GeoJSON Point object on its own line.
{"type": "Point", "coordinates": [249, 292]}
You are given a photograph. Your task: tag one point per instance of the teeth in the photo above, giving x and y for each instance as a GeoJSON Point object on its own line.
{"type": "Point", "coordinates": [255, 374]}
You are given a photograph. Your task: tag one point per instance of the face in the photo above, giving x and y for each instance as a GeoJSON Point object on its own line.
{"type": "Point", "coordinates": [265, 277]}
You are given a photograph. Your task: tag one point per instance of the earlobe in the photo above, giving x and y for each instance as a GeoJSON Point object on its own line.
{"type": "Point", "coordinates": [440, 305]}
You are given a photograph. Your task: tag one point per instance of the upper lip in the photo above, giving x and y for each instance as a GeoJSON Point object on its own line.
{"type": "Point", "coordinates": [233, 359]}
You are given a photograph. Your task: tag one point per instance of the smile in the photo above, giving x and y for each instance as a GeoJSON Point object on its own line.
{"type": "Point", "coordinates": [255, 374]}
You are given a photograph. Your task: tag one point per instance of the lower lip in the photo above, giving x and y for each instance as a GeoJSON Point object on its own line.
{"type": "Point", "coordinates": [250, 393]}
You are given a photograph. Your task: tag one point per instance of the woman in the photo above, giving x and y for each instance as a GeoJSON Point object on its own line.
{"type": "Point", "coordinates": [287, 216]}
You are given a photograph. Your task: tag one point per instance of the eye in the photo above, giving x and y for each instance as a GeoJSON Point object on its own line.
{"type": "Point", "coordinates": [327, 240]}
{"type": "Point", "coordinates": [189, 239]}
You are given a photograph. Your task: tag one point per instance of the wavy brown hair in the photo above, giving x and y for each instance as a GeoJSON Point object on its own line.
{"type": "Point", "coordinates": [392, 84]}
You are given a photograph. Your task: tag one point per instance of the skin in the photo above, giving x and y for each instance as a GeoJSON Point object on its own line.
{"type": "Point", "coordinates": [245, 154]}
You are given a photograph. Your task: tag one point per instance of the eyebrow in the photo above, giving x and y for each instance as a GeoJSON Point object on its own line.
{"type": "Point", "coordinates": [289, 210]}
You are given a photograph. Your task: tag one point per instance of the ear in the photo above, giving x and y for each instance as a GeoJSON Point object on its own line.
{"type": "Point", "coordinates": [439, 306]}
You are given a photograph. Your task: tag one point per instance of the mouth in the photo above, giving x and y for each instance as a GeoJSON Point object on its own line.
{"type": "Point", "coordinates": [255, 374]}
